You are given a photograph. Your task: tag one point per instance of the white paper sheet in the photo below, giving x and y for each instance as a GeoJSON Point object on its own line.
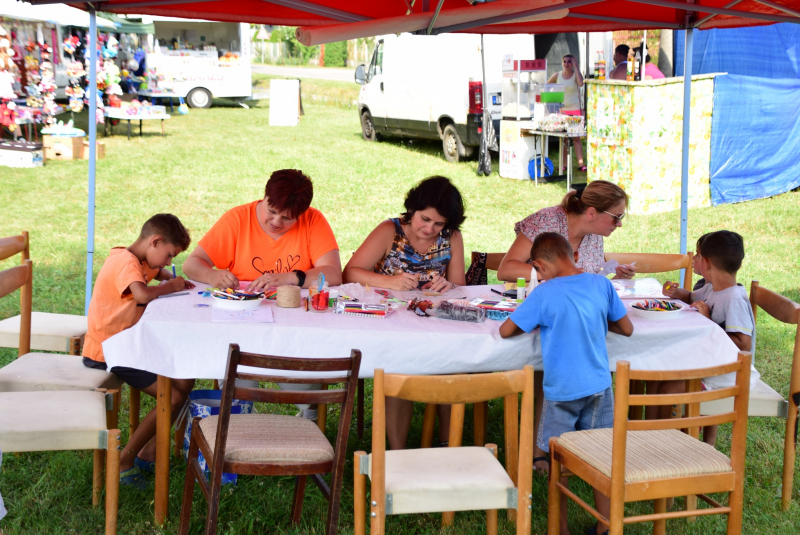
{"type": "Point", "coordinates": [262, 314]}
{"type": "Point", "coordinates": [638, 288]}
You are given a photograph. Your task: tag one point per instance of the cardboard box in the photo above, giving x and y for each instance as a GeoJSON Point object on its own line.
{"type": "Point", "coordinates": [63, 148]}
{"type": "Point", "coordinates": [21, 154]}
{"type": "Point", "coordinates": [101, 150]}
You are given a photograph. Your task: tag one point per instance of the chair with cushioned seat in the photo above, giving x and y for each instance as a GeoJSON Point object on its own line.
{"type": "Point", "coordinates": [271, 444]}
{"type": "Point", "coordinates": [641, 460]}
{"type": "Point", "coordinates": [455, 478]}
{"type": "Point", "coordinates": [764, 400]}
{"type": "Point", "coordinates": [45, 371]}
{"type": "Point", "coordinates": [61, 420]}
{"type": "Point", "coordinates": [62, 333]}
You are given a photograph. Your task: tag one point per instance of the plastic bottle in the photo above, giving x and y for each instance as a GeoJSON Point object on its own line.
{"type": "Point", "coordinates": [602, 68]}
{"type": "Point", "coordinates": [597, 65]}
{"type": "Point", "coordinates": [629, 65]}
{"type": "Point", "coordinates": [520, 289]}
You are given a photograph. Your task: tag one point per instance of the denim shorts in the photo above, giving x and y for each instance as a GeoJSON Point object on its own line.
{"type": "Point", "coordinates": [591, 412]}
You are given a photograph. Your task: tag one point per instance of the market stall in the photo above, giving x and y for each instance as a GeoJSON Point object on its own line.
{"type": "Point", "coordinates": [634, 134]}
{"type": "Point", "coordinates": [199, 60]}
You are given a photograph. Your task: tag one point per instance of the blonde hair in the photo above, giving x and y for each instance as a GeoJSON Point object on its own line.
{"type": "Point", "coordinates": [599, 194]}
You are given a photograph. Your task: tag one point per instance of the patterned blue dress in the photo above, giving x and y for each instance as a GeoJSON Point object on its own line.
{"type": "Point", "coordinates": [404, 258]}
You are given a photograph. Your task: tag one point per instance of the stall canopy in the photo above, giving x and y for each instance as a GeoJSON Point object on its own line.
{"type": "Point", "coordinates": [57, 14]}
{"type": "Point", "coordinates": [324, 21]}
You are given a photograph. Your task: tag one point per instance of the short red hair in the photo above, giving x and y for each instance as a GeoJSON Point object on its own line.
{"type": "Point", "coordinates": [289, 190]}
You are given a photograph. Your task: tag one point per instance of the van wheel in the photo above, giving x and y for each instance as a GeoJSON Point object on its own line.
{"type": "Point", "coordinates": [451, 143]}
{"type": "Point", "coordinates": [368, 128]}
{"type": "Point", "coordinates": [199, 98]}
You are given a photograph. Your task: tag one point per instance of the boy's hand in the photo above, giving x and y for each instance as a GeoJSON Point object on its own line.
{"type": "Point", "coordinates": [670, 288]}
{"type": "Point", "coordinates": [178, 283]}
{"type": "Point", "coordinates": [223, 278]}
{"type": "Point", "coordinates": [702, 308]}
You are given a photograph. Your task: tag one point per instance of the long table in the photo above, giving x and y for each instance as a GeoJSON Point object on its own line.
{"type": "Point", "coordinates": [176, 339]}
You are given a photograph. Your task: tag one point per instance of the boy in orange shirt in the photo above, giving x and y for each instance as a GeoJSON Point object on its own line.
{"type": "Point", "coordinates": [120, 296]}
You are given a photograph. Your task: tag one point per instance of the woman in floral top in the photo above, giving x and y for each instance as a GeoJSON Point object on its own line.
{"type": "Point", "coordinates": [422, 249]}
{"type": "Point", "coordinates": [584, 218]}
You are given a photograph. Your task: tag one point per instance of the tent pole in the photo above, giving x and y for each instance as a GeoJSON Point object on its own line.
{"type": "Point", "coordinates": [92, 151]}
{"type": "Point", "coordinates": [687, 100]}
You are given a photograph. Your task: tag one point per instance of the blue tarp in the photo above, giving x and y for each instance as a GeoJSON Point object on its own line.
{"type": "Point", "coordinates": [763, 51]}
{"type": "Point", "coordinates": [755, 140]}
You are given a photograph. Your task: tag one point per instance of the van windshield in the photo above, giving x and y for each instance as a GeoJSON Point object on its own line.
{"type": "Point", "coordinates": [376, 65]}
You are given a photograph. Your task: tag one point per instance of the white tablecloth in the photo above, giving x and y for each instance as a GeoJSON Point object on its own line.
{"type": "Point", "coordinates": [176, 339]}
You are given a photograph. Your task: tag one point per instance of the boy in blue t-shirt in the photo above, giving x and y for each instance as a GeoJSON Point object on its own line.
{"type": "Point", "coordinates": [574, 311]}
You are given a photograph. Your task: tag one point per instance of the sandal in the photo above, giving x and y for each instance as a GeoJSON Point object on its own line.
{"type": "Point", "coordinates": [144, 466]}
{"type": "Point", "coordinates": [546, 459]}
{"type": "Point", "coordinates": [582, 168]}
{"type": "Point", "coordinates": [133, 478]}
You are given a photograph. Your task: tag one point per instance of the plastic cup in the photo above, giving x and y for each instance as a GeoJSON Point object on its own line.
{"type": "Point", "coordinates": [319, 297]}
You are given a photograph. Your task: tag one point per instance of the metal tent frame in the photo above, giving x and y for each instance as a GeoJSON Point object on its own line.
{"type": "Point", "coordinates": [323, 19]}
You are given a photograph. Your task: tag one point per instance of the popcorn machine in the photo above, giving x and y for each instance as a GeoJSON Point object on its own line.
{"type": "Point", "coordinates": [522, 83]}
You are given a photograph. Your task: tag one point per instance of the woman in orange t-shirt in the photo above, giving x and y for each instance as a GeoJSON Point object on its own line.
{"type": "Point", "coordinates": [277, 241]}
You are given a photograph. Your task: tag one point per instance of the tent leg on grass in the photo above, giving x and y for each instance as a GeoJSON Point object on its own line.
{"type": "Point", "coordinates": [92, 152]}
{"type": "Point", "coordinates": [687, 101]}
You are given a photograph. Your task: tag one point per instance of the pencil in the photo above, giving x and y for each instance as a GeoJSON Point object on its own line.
{"type": "Point", "coordinates": [173, 272]}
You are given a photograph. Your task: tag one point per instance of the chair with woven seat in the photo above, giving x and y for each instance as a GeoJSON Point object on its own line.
{"type": "Point", "coordinates": [456, 478]}
{"type": "Point", "coordinates": [271, 444]}
{"type": "Point", "coordinates": [641, 460]}
{"type": "Point", "coordinates": [62, 420]}
{"type": "Point", "coordinates": [764, 400]}
{"type": "Point", "coordinates": [63, 333]}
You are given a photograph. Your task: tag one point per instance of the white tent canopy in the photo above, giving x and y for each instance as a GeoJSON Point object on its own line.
{"type": "Point", "coordinates": [60, 14]}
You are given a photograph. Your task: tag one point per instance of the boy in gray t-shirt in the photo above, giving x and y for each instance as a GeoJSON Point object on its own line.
{"type": "Point", "coordinates": [721, 300]}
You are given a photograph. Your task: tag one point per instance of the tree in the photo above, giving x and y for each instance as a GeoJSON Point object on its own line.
{"type": "Point", "coordinates": [336, 54]}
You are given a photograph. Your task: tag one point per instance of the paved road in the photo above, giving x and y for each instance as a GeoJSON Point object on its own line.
{"type": "Point", "coordinates": [327, 73]}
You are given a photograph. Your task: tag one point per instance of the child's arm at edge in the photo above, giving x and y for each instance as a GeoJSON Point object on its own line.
{"type": "Point", "coordinates": [622, 326]}
{"type": "Point", "coordinates": [509, 329]}
{"type": "Point", "coordinates": [143, 294]}
{"type": "Point", "coordinates": [742, 341]}
{"type": "Point", "coordinates": [673, 290]}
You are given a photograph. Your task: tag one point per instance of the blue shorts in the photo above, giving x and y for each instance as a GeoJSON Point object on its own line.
{"type": "Point", "coordinates": [559, 417]}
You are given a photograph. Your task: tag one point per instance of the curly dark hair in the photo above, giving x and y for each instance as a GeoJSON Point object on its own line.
{"type": "Point", "coordinates": [439, 193]}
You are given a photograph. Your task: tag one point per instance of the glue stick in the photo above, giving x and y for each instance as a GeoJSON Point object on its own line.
{"type": "Point", "coordinates": [520, 289]}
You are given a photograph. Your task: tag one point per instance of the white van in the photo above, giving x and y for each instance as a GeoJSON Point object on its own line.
{"type": "Point", "coordinates": [430, 87]}
{"type": "Point", "coordinates": [201, 60]}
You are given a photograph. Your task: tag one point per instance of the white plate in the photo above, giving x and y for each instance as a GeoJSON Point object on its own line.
{"type": "Point", "coordinates": [658, 314]}
{"type": "Point", "coordinates": [233, 304]}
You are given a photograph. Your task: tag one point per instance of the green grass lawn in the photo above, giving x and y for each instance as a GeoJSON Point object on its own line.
{"type": "Point", "coordinates": [218, 158]}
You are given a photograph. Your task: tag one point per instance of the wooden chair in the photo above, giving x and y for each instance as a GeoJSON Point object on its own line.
{"type": "Point", "coordinates": [652, 459]}
{"type": "Point", "coordinates": [62, 420]}
{"type": "Point", "coordinates": [46, 371]}
{"type": "Point", "coordinates": [658, 263]}
{"type": "Point", "coordinates": [454, 478]}
{"type": "Point", "coordinates": [648, 263]}
{"type": "Point", "coordinates": [63, 333]}
{"type": "Point", "coordinates": [480, 410]}
{"type": "Point", "coordinates": [271, 444]}
{"type": "Point", "coordinates": [764, 400]}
